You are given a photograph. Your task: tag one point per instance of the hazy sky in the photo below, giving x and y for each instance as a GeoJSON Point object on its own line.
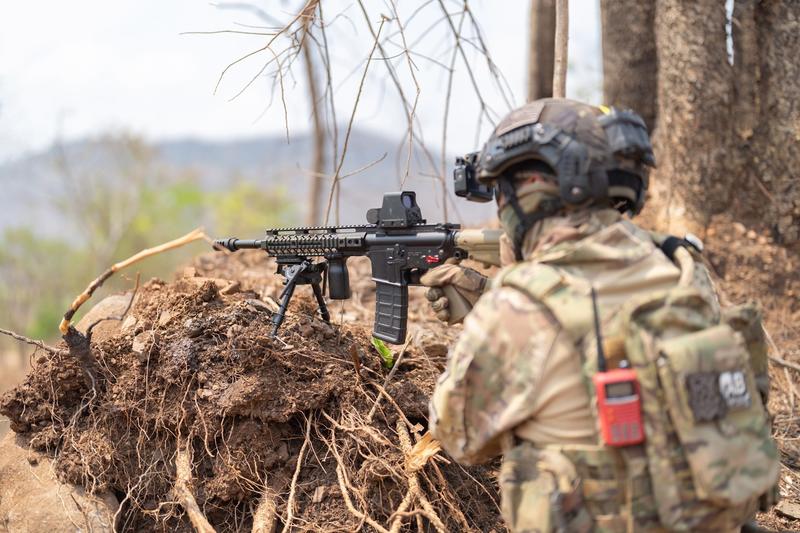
{"type": "Point", "coordinates": [79, 68]}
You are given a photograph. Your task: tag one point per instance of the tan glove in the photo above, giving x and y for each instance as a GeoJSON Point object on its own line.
{"type": "Point", "coordinates": [454, 289]}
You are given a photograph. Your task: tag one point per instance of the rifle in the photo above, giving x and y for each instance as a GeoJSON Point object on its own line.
{"type": "Point", "coordinates": [401, 247]}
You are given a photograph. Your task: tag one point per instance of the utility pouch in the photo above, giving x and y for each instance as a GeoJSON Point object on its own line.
{"type": "Point", "coordinates": [716, 409]}
{"type": "Point", "coordinates": [746, 319]}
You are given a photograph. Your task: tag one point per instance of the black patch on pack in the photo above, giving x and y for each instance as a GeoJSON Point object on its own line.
{"type": "Point", "coordinates": [705, 400]}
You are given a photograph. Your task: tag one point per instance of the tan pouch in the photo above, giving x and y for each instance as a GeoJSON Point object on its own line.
{"type": "Point", "coordinates": [718, 415]}
{"type": "Point", "coordinates": [746, 319]}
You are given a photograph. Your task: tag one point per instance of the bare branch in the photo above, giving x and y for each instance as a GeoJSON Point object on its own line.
{"type": "Point", "coordinates": [33, 342]}
{"type": "Point", "coordinates": [336, 178]}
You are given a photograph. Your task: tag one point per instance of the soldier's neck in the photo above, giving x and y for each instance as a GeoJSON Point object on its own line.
{"type": "Point", "coordinates": [574, 226]}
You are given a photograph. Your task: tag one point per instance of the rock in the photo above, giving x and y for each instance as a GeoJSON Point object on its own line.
{"type": "Point", "coordinates": [258, 305]}
{"type": "Point", "coordinates": [232, 288]}
{"type": "Point", "coordinates": [165, 317]}
{"type": "Point", "coordinates": [113, 305]}
{"type": "Point", "coordinates": [128, 325]}
{"type": "Point", "coordinates": [194, 327]}
{"type": "Point", "coordinates": [145, 344]}
{"type": "Point", "coordinates": [319, 494]}
{"type": "Point", "coordinates": [32, 499]}
{"type": "Point", "coordinates": [788, 509]}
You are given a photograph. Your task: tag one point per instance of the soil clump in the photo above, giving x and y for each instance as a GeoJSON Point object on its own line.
{"type": "Point", "coordinates": [306, 428]}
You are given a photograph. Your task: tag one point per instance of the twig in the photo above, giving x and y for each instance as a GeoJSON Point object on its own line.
{"type": "Point", "coordinates": [121, 316]}
{"type": "Point", "coordinates": [144, 254]}
{"type": "Point", "coordinates": [336, 174]}
{"type": "Point", "coordinates": [356, 362]}
{"type": "Point", "coordinates": [390, 375]}
{"type": "Point", "coordinates": [341, 477]}
{"type": "Point", "coordinates": [33, 342]}
{"type": "Point", "coordinates": [784, 362]}
{"type": "Point", "coordinates": [450, 76]}
{"type": "Point", "coordinates": [468, 64]}
{"type": "Point", "coordinates": [413, 112]}
{"type": "Point", "coordinates": [292, 491]}
{"type": "Point", "coordinates": [413, 480]}
{"type": "Point", "coordinates": [267, 46]}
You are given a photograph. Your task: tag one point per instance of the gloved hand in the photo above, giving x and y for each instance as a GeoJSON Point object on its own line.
{"type": "Point", "coordinates": [454, 289]}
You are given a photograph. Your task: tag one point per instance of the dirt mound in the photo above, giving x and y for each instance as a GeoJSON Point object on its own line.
{"type": "Point", "coordinates": [308, 428]}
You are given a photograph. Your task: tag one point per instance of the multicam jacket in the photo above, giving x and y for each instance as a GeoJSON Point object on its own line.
{"type": "Point", "coordinates": [516, 384]}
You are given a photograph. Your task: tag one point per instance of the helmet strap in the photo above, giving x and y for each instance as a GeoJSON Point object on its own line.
{"type": "Point", "coordinates": [547, 208]}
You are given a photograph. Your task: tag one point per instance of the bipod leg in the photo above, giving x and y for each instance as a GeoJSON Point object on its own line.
{"type": "Point", "coordinates": [323, 309]}
{"type": "Point", "coordinates": [286, 296]}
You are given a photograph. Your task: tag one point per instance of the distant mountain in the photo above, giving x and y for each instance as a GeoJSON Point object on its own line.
{"type": "Point", "coordinates": [28, 185]}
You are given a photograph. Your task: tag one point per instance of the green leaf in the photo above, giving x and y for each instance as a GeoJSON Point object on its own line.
{"type": "Point", "coordinates": [386, 354]}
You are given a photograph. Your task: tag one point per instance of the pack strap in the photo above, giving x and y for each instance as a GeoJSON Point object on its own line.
{"type": "Point", "coordinates": [672, 243]}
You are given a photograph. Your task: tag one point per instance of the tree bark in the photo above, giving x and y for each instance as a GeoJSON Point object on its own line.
{"type": "Point", "coordinates": [561, 55]}
{"type": "Point", "coordinates": [314, 214]}
{"type": "Point", "coordinates": [694, 104]}
{"type": "Point", "coordinates": [776, 154]}
{"type": "Point", "coordinates": [745, 66]}
{"type": "Point", "coordinates": [541, 49]}
{"type": "Point", "coordinates": [630, 64]}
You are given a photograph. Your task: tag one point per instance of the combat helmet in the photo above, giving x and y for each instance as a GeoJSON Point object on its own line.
{"type": "Point", "coordinates": [593, 155]}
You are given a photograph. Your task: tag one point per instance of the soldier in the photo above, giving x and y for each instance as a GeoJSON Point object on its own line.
{"type": "Point", "coordinates": [592, 314]}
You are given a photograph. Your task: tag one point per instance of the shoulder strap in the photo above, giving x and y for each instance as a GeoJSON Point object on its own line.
{"type": "Point", "coordinates": [571, 305]}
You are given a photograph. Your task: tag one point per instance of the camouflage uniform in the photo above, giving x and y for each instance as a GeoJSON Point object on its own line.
{"type": "Point", "coordinates": [516, 384]}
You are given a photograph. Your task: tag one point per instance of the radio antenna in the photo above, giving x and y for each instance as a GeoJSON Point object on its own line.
{"type": "Point", "coordinates": [601, 356]}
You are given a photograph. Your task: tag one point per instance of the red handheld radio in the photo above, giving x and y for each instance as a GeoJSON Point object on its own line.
{"type": "Point", "coordinates": [619, 405]}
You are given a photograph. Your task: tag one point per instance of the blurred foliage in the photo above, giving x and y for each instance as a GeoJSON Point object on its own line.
{"type": "Point", "coordinates": [140, 204]}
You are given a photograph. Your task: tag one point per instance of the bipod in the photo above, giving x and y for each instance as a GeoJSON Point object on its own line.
{"type": "Point", "coordinates": [303, 273]}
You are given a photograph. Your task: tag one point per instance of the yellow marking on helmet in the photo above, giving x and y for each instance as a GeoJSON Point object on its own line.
{"type": "Point", "coordinates": [605, 109]}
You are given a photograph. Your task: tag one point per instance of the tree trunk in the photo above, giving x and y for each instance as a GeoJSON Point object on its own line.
{"type": "Point", "coordinates": [745, 66]}
{"type": "Point", "coordinates": [314, 215]}
{"type": "Point", "coordinates": [776, 154]}
{"type": "Point", "coordinates": [630, 65]}
{"type": "Point", "coordinates": [541, 49]}
{"type": "Point", "coordinates": [561, 55]}
{"type": "Point", "coordinates": [694, 104]}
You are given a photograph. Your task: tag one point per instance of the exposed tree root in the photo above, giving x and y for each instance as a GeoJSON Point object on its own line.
{"type": "Point", "coordinates": [183, 492]}
{"type": "Point", "coordinates": [192, 236]}
{"type": "Point", "coordinates": [264, 515]}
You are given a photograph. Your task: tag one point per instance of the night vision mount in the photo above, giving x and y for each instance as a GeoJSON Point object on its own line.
{"type": "Point", "coordinates": [465, 180]}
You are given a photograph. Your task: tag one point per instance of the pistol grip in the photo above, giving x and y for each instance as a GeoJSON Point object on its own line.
{"type": "Point", "coordinates": [457, 304]}
{"type": "Point", "coordinates": [391, 312]}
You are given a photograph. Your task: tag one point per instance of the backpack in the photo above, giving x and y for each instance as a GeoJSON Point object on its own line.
{"type": "Point", "coordinates": [708, 455]}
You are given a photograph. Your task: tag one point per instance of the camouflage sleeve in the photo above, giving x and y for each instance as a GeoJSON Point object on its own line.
{"type": "Point", "coordinates": [490, 383]}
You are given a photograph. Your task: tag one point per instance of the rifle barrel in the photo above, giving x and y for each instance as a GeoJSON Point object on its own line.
{"type": "Point", "coordinates": [233, 244]}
